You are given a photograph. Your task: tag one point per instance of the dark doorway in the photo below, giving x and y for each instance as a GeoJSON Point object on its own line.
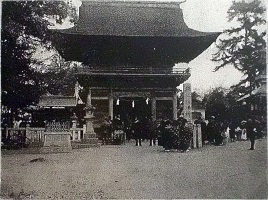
{"type": "Point", "coordinates": [130, 108]}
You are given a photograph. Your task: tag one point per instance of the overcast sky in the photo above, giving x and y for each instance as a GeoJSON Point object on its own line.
{"type": "Point", "coordinates": [208, 16]}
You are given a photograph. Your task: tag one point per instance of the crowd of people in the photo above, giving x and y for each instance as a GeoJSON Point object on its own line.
{"type": "Point", "coordinates": [171, 134]}
{"type": "Point", "coordinates": [177, 134]}
{"type": "Point", "coordinates": [218, 132]}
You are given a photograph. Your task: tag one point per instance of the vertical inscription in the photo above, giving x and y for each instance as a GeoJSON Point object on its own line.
{"type": "Point", "coordinates": [187, 102]}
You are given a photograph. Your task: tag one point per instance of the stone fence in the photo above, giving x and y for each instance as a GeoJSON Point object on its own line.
{"type": "Point", "coordinates": [35, 135]}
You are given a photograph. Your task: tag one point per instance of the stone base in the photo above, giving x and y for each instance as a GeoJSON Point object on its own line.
{"type": "Point", "coordinates": [90, 139]}
{"type": "Point", "coordinates": [56, 142]}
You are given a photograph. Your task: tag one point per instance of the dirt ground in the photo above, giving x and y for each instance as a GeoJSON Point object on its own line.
{"type": "Point", "coordinates": [145, 172]}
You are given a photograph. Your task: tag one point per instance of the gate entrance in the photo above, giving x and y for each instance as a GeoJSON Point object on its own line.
{"type": "Point", "coordinates": [131, 107]}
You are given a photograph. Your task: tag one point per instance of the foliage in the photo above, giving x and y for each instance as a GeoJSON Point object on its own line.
{"type": "Point", "coordinates": [245, 46]}
{"type": "Point", "coordinates": [223, 105]}
{"type": "Point", "coordinates": [24, 27]}
{"type": "Point", "coordinates": [197, 100]}
{"type": "Point", "coordinates": [216, 103]}
{"type": "Point", "coordinates": [58, 76]}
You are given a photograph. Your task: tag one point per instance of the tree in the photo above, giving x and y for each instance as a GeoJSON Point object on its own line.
{"type": "Point", "coordinates": [215, 104]}
{"type": "Point", "coordinates": [222, 104]}
{"type": "Point", "coordinates": [197, 100]}
{"type": "Point", "coordinates": [25, 26]}
{"type": "Point", "coordinates": [245, 46]}
{"type": "Point", "coordinates": [58, 76]}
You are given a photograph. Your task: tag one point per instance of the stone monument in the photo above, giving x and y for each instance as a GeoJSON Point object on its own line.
{"type": "Point", "coordinates": [56, 142]}
{"type": "Point", "coordinates": [57, 138]}
{"type": "Point", "coordinates": [187, 102]}
{"type": "Point", "coordinates": [187, 109]}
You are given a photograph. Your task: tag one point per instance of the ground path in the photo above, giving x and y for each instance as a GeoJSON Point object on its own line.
{"type": "Point", "coordinates": [128, 171]}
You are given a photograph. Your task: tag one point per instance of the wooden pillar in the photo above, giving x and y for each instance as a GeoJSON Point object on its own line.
{"type": "Point", "coordinates": [175, 106]}
{"type": "Point", "coordinates": [153, 108]}
{"type": "Point", "coordinates": [111, 105]}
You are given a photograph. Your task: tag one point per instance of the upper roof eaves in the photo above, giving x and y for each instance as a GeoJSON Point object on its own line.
{"type": "Point", "coordinates": [132, 18]}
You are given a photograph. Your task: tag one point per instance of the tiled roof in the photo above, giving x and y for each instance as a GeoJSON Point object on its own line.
{"type": "Point", "coordinates": [260, 91]}
{"type": "Point", "coordinates": [132, 18]}
{"type": "Point", "coordinates": [111, 33]}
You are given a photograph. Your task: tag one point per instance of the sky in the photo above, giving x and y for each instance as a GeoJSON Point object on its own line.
{"type": "Point", "coordinates": [207, 16]}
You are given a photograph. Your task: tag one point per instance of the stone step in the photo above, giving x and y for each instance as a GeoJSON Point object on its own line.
{"type": "Point", "coordinates": [80, 145]}
{"type": "Point", "coordinates": [90, 141]}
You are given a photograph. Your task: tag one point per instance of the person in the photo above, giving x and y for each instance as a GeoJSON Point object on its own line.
{"type": "Point", "coordinates": [257, 128]}
{"type": "Point", "coordinates": [185, 135]}
{"type": "Point", "coordinates": [220, 128]}
{"type": "Point", "coordinates": [263, 127]}
{"type": "Point", "coordinates": [244, 131]}
{"type": "Point", "coordinates": [137, 126]}
{"type": "Point", "coordinates": [211, 129]}
{"type": "Point", "coordinates": [238, 132]}
{"type": "Point", "coordinates": [232, 127]}
{"type": "Point", "coordinates": [145, 128]}
{"type": "Point", "coordinates": [127, 128]}
{"type": "Point", "coordinates": [152, 131]}
{"type": "Point", "coordinates": [224, 133]}
{"type": "Point", "coordinates": [117, 123]}
{"type": "Point", "coordinates": [107, 130]}
{"type": "Point", "coordinates": [165, 130]}
{"type": "Point", "coordinates": [251, 128]}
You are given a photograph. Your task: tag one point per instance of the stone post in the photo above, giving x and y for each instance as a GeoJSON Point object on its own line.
{"type": "Point", "coordinates": [175, 106]}
{"type": "Point", "coordinates": [84, 129]}
{"type": "Point", "coordinates": [199, 136]}
{"type": "Point", "coordinates": [89, 135]}
{"type": "Point", "coordinates": [187, 102]}
{"type": "Point", "coordinates": [74, 121]}
{"type": "Point", "coordinates": [194, 136]}
{"type": "Point", "coordinates": [111, 105]}
{"type": "Point", "coordinates": [27, 132]}
{"type": "Point", "coordinates": [187, 108]}
{"type": "Point", "coordinates": [153, 108]}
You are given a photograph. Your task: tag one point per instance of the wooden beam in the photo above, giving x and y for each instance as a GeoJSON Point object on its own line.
{"type": "Point", "coordinates": [99, 98]}
{"type": "Point", "coordinates": [163, 98]}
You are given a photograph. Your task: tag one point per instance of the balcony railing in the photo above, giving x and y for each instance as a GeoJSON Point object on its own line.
{"type": "Point", "coordinates": [134, 71]}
